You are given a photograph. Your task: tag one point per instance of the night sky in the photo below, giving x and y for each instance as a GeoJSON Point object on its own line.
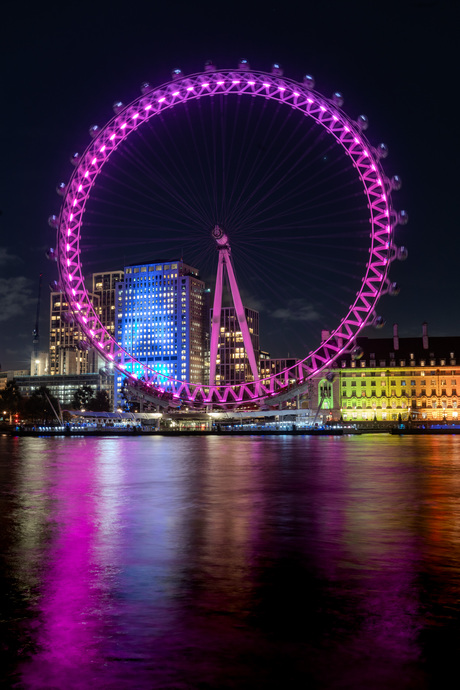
{"type": "Point", "coordinates": [64, 66]}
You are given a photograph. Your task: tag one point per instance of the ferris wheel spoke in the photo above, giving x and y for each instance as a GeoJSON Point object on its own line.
{"type": "Point", "coordinates": [171, 197]}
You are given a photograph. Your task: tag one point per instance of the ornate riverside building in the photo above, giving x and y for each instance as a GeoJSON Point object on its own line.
{"type": "Point", "coordinates": [399, 379]}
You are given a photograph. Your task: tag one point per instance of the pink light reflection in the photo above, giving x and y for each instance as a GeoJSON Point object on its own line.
{"type": "Point", "coordinates": [112, 136]}
{"type": "Point", "coordinates": [94, 161]}
{"type": "Point", "coordinates": [102, 149]}
{"type": "Point", "coordinates": [123, 126]}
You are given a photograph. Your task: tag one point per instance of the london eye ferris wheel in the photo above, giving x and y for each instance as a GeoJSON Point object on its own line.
{"type": "Point", "coordinates": [288, 179]}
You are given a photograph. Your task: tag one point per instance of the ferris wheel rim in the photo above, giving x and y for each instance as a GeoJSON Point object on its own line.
{"type": "Point", "coordinates": [182, 89]}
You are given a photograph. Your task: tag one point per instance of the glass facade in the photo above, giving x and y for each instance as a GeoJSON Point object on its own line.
{"type": "Point", "coordinates": [161, 320]}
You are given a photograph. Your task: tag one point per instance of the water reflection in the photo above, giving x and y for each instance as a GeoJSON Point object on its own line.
{"type": "Point", "coordinates": [230, 563]}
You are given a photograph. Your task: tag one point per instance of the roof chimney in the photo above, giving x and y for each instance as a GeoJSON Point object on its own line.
{"type": "Point", "coordinates": [425, 335]}
{"type": "Point", "coordinates": [395, 337]}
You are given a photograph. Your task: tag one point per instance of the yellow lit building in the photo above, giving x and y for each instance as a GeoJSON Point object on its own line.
{"type": "Point", "coordinates": [399, 379]}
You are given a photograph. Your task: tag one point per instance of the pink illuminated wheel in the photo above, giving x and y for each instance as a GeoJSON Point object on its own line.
{"type": "Point", "coordinates": [223, 85]}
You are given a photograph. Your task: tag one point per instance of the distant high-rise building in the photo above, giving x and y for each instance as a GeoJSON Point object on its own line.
{"type": "Point", "coordinates": [65, 355]}
{"type": "Point", "coordinates": [103, 288]}
{"type": "Point", "coordinates": [161, 318]}
{"type": "Point", "coordinates": [232, 366]}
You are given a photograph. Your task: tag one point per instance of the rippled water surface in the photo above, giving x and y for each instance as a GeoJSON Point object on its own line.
{"type": "Point", "coordinates": [263, 562]}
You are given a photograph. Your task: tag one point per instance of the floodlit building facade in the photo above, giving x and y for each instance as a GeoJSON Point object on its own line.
{"type": "Point", "coordinates": [399, 379]}
{"type": "Point", "coordinates": [161, 319]}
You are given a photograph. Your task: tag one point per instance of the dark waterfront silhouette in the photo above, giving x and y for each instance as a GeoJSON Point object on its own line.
{"type": "Point", "coordinates": [153, 562]}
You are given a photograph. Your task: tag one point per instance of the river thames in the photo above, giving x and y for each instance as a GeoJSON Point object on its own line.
{"type": "Point", "coordinates": [241, 562]}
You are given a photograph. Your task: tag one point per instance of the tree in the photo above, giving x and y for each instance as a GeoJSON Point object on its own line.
{"type": "Point", "coordinates": [11, 399]}
{"type": "Point", "coordinates": [81, 398]}
{"type": "Point", "coordinates": [100, 402]}
{"type": "Point", "coordinates": [41, 405]}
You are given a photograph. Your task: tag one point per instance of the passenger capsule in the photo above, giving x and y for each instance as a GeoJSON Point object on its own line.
{"type": "Point", "coordinates": [53, 221]}
{"type": "Point", "coordinates": [61, 188]}
{"type": "Point", "coordinates": [55, 286]}
{"type": "Point", "coordinates": [402, 253]}
{"type": "Point", "coordinates": [117, 107]}
{"type": "Point", "coordinates": [382, 151]}
{"type": "Point", "coordinates": [357, 352]}
{"type": "Point", "coordinates": [330, 376]}
{"type": "Point", "coordinates": [146, 87]}
{"type": "Point", "coordinates": [51, 254]}
{"type": "Point", "coordinates": [67, 317]}
{"type": "Point", "coordinates": [75, 158]}
{"type": "Point", "coordinates": [277, 70]}
{"type": "Point", "coordinates": [177, 73]}
{"type": "Point", "coordinates": [403, 218]}
{"type": "Point", "coordinates": [209, 66]}
{"type": "Point", "coordinates": [393, 289]}
{"type": "Point", "coordinates": [243, 64]}
{"type": "Point", "coordinates": [363, 122]}
{"type": "Point", "coordinates": [337, 99]}
{"type": "Point", "coordinates": [309, 81]}
{"type": "Point", "coordinates": [94, 131]}
{"type": "Point", "coordinates": [396, 183]}
{"type": "Point", "coordinates": [378, 322]}
{"type": "Point", "coordinates": [84, 345]}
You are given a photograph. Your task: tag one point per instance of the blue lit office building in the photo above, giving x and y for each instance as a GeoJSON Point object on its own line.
{"type": "Point", "coordinates": [161, 319]}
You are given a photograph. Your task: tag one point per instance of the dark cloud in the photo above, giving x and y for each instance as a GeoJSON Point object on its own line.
{"type": "Point", "coordinates": [16, 296]}
{"type": "Point", "coordinates": [6, 258]}
{"type": "Point", "coordinates": [297, 310]}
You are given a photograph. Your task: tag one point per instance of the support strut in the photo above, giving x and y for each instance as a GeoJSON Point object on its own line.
{"type": "Point", "coordinates": [225, 262]}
